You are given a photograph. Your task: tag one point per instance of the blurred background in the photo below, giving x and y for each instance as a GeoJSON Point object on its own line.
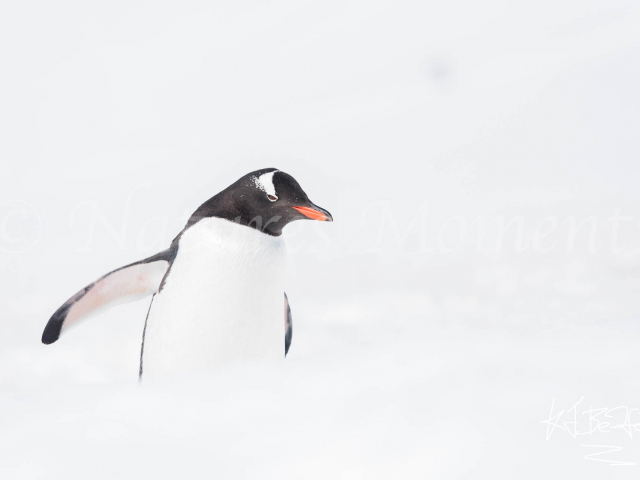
{"type": "Point", "coordinates": [481, 277]}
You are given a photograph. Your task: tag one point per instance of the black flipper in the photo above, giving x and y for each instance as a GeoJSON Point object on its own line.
{"type": "Point", "coordinates": [288, 325]}
{"type": "Point", "coordinates": [126, 284]}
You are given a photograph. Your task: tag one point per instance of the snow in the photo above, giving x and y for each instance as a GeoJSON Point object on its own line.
{"type": "Point", "coordinates": [480, 278]}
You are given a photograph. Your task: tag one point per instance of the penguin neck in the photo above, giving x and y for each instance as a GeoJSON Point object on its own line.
{"type": "Point", "coordinates": [226, 206]}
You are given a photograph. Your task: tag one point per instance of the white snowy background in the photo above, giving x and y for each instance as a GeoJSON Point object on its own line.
{"type": "Point", "coordinates": [428, 341]}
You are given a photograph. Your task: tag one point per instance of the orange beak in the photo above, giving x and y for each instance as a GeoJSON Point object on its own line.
{"type": "Point", "coordinates": [315, 213]}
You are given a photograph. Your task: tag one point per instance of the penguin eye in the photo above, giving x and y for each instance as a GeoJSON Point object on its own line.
{"type": "Point", "coordinates": [273, 198]}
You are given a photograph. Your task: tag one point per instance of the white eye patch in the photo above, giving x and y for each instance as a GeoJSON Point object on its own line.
{"type": "Point", "coordinates": [265, 183]}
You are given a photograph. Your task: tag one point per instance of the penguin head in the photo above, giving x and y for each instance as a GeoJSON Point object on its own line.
{"type": "Point", "coordinates": [279, 199]}
{"type": "Point", "coordinates": [267, 200]}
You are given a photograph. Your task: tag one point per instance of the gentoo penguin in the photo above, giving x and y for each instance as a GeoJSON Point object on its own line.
{"type": "Point", "coordinates": [218, 289]}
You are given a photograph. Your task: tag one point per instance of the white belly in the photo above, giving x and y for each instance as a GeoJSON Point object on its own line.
{"type": "Point", "coordinates": [222, 301]}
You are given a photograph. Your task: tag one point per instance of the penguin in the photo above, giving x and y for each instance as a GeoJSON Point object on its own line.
{"type": "Point", "coordinates": [218, 290]}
